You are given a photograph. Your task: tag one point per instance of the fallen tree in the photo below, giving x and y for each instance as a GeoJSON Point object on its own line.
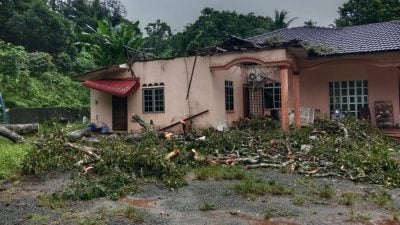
{"type": "Point", "coordinates": [23, 129]}
{"type": "Point", "coordinates": [78, 134]}
{"type": "Point", "coordinates": [11, 135]}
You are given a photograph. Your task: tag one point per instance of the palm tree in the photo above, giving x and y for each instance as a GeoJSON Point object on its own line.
{"type": "Point", "coordinates": [281, 20]}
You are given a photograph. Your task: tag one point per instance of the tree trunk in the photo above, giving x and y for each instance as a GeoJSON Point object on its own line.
{"type": "Point", "coordinates": [11, 135]}
{"type": "Point", "coordinates": [22, 129]}
{"type": "Point", "coordinates": [136, 118]}
{"type": "Point", "coordinates": [78, 134]}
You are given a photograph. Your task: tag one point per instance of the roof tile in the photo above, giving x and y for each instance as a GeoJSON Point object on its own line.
{"type": "Point", "coordinates": [384, 36]}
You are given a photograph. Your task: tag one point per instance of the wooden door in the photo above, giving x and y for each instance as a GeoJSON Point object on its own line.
{"type": "Point", "coordinates": [119, 114]}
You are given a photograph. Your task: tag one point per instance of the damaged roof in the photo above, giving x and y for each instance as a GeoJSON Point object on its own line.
{"type": "Point", "coordinates": [376, 37]}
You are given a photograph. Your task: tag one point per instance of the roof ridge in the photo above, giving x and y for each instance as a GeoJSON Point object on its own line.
{"type": "Point", "coordinates": [369, 24]}
{"type": "Point", "coordinates": [289, 28]}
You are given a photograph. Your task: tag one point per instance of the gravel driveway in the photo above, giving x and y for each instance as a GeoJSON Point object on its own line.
{"type": "Point", "coordinates": [19, 203]}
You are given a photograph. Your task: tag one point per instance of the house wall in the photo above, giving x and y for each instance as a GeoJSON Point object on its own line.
{"type": "Point", "coordinates": [100, 108]}
{"type": "Point", "coordinates": [207, 92]}
{"type": "Point", "coordinates": [383, 84]}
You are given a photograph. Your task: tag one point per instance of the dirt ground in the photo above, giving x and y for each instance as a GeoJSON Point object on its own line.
{"type": "Point", "coordinates": [21, 202]}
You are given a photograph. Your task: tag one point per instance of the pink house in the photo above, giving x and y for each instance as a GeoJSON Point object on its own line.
{"type": "Point", "coordinates": [333, 71]}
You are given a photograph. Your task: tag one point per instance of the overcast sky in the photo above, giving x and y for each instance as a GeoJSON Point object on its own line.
{"type": "Point", "coordinates": [178, 13]}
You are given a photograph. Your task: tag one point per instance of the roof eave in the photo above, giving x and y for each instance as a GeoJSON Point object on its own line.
{"type": "Point", "coordinates": [98, 73]}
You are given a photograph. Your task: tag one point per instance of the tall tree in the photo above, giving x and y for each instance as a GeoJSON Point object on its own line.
{"type": "Point", "coordinates": [158, 36]}
{"type": "Point", "coordinates": [281, 20]}
{"type": "Point", "coordinates": [357, 12]}
{"type": "Point", "coordinates": [37, 28]}
{"type": "Point", "coordinates": [212, 27]}
{"type": "Point", "coordinates": [87, 12]}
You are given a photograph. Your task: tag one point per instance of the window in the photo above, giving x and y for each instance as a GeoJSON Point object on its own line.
{"type": "Point", "coordinates": [348, 96]}
{"type": "Point", "coordinates": [153, 100]}
{"type": "Point", "coordinates": [229, 106]}
{"type": "Point", "coordinates": [272, 95]}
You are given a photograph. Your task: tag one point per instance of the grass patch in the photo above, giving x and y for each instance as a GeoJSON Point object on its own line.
{"type": "Point", "coordinates": [348, 198]}
{"type": "Point", "coordinates": [327, 191]}
{"type": "Point", "coordinates": [132, 213]}
{"type": "Point", "coordinates": [206, 206]}
{"type": "Point", "coordinates": [11, 156]}
{"type": "Point", "coordinates": [299, 201]}
{"type": "Point", "coordinates": [252, 186]}
{"type": "Point", "coordinates": [37, 219]}
{"type": "Point", "coordinates": [52, 201]}
{"type": "Point", "coordinates": [382, 199]}
{"type": "Point", "coordinates": [274, 213]}
{"type": "Point", "coordinates": [221, 173]}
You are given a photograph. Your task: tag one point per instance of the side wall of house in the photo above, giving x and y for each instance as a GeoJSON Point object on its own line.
{"type": "Point", "coordinates": [207, 92]}
{"type": "Point", "coordinates": [383, 85]}
{"type": "Point", "coordinates": [100, 108]}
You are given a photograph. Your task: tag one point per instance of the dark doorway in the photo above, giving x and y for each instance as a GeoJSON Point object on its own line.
{"type": "Point", "coordinates": [119, 114]}
{"type": "Point", "coordinates": [246, 105]}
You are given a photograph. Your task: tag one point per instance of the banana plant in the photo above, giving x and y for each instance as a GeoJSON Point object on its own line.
{"type": "Point", "coordinates": [106, 43]}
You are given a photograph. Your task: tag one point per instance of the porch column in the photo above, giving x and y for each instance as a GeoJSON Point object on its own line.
{"type": "Point", "coordinates": [284, 75]}
{"type": "Point", "coordinates": [296, 94]}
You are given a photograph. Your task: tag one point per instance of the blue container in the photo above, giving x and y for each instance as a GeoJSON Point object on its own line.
{"type": "Point", "coordinates": [92, 127]}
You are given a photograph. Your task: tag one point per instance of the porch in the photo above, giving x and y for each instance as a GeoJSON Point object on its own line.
{"type": "Point", "coordinates": [358, 85]}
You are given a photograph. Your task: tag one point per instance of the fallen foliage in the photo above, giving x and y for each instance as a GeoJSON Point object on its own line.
{"type": "Point", "coordinates": [351, 149]}
{"type": "Point", "coordinates": [111, 166]}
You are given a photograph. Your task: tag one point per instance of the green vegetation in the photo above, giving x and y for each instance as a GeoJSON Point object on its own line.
{"type": "Point", "coordinates": [132, 213]}
{"type": "Point", "coordinates": [122, 162]}
{"type": "Point", "coordinates": [52, 201]}
{"type": "Point", "coordinates": [274, 213]}
{"type": "Point", "coordinates": [382, 199]}
{"type": "Point", "coordinates": [326, 191]}
{"type": "Point", "coordinates": [213, 27]}
{"type": "Point", "coordinates": [206, 206]}
{"type": "Point", "coordinates": [357, 12]}
{"type": "Point", "coordinates": [115, 175]}
{"type": "Point", "coordinates": [221, 173]}
{"type": "Point", "coordinates": [348, 198]}
{"type": "Point", "coordinates": [299, 201]}
{"type": "Point", "coordinates": [11, 157]}
{"type": "Point", "coordinates": [32, 80]}
{"type": "Point", "coordinates": [253, 187]}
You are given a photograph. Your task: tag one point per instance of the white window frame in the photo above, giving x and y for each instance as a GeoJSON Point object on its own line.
{"type": "Point", "coordinates": [154, 106]}
{"type": "Point", "coordinates": [348, 96]}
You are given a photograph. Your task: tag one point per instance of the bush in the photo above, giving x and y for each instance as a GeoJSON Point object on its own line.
{"type": "Point", "coordinates": [11, 156]}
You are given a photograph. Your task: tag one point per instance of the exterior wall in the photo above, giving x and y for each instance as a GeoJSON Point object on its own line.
{"type": "Point", "coordinates": [207, 92]}
{"type": "Point", "coordinates": [383, 84]}
{"type": "Point", "coordinates": [100, 108]}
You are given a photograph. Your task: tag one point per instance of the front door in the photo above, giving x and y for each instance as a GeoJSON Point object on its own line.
{"type": "Point", "coordinates": [119, 114]}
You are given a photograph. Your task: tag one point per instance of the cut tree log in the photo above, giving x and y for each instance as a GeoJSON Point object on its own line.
{"type": "Point", "coordinates": [22, 129]}
{"type": "Point", "coordinates": [78, 134]}
{"type": "Point", "coordinates": [11, 135]}
{"type": "Point", "coordinates": [90, 151]}
{"type": "Point", "coordinates": [136, 118]}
